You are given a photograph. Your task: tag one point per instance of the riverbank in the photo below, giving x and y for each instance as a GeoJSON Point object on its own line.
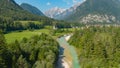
{"type": "Point", "coordinates": [69, 56]}
{"type": "Point", "coordinates": [65, 58]}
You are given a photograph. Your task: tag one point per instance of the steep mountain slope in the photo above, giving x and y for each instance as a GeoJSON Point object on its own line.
{"type": "Point", "coordinates": [54, 12]}
{"type": "Point", "coordinates": [10, 9]}
{"type": "Point", "coordinates": [96, 11]}
{"type": "Point", "coordinates": [31, 9]}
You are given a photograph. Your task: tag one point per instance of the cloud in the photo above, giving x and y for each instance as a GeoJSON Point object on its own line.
{"type": "Point", "coordinates": [48, 3]}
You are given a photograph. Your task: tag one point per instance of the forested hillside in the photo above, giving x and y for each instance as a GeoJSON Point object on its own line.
{"type": "Point", "coordinates": [11, 12]}
{"type": "Point", "coordinates": [10, 9]}
{"type": "Point", "coordinates": [31, 9]}
{"type": "Point", "coordinates": [96, 11]}
{"type": "Point", "coordinates": [98, 47]}
{"type": "Point", "coordinates": [39, 51]}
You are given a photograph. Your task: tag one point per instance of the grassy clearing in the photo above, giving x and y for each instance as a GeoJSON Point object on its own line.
{"type": "Point", "coordinates": [10, 37]}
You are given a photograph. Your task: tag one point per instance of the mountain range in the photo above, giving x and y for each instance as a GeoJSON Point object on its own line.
{"type": "Point", "coordinates": [92, 11]}
{"type": "Point", "coordinates": [107, 11]}
{"type": "Point", "coordinates": [53, 12]}
{"type": "Point", "coordinates": [58, 13]}
{"type": "Point", "coordinates": [67, 12]}
{"type": "Point", "coordinates": [89, 11]}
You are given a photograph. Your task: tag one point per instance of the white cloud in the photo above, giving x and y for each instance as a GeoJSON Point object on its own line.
{"type": "Point", "coordinates": [48, 3]}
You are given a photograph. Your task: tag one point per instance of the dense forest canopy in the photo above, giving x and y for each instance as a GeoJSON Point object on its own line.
{"type": "Point", "coordinates": [38, 51]}
{"type": "Point", "coordinates": [98, 47]}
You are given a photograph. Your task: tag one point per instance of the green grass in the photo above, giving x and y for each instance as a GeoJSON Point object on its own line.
{"type": "Point", "coordinates": [25, 22]}
{"type": "Point", "coordinates": [10, 37]}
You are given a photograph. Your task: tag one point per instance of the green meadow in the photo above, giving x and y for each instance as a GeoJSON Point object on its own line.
{"type": "Point", "coordinates": [25, 22]}
{"type": "Point", "coordinates": [10, 37]}
{"type": "Point", "coordinates": [19, 35]}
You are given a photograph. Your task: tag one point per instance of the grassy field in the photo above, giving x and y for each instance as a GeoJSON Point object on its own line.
{"type": "Point", "coordinates": [25, 22]}
{"type": "Point", "coordinates": [10, 37]}
{"type": "Point", "coordinates": [16, 35]}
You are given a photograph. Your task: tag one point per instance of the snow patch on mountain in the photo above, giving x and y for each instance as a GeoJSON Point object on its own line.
{"type": "Point", "coordinates": [68, 11]}
{"type": "Point", "coordinates": [53, 12]}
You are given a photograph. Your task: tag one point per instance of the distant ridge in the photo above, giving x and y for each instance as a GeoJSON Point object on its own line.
{"type": "Point", "coordinates": [31, 9]}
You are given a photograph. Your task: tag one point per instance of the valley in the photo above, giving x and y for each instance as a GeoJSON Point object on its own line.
{"type": "Point", "coordinates": [60, 34]}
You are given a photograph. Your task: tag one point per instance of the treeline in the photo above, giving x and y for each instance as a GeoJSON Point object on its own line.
{"type": "Point", "coordinates": [98, 47]}
{"type": "Point", "coordinates": [8, 24]}
{"type": "Point", "coordinates": [36, 52]}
